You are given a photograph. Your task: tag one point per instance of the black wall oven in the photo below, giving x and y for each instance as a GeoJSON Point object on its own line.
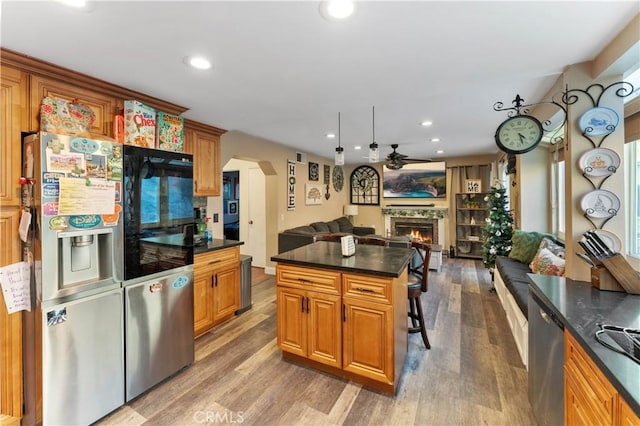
{"type": "Point", "coordinates": [158, 211]}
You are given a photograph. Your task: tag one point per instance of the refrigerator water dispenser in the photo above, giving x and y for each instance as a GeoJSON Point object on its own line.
{"type": "Point", "coordinates": [85, 257]}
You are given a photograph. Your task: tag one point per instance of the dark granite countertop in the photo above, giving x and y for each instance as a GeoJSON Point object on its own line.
{"type": "Point", "coordinates": [216, 245]}
{"type": "Point", "coordinates": [581, 308]}
{"type": "Point", "coordinates": [374, 260]}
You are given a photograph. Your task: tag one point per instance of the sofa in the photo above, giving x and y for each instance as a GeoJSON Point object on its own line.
{"type": "Point", "coordinates": [529, 249]}
{"type": "Point", "coordinates": [303, 235]}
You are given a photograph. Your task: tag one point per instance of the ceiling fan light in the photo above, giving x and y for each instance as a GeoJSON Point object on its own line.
{"type": "Point", "coordinates": [374, 153]}
{"type": "Point", "coordinates": [339, 157]}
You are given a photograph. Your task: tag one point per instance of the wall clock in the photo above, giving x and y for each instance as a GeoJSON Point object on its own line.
{"type": "Point", "coordinates": [519, 134]}
{"type": "Point", "coordinates": [365, 186]}
{"type": "Point", "coordinates": [338, 178]}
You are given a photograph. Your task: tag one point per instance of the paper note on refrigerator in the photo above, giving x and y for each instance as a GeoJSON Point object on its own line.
{"type": "Point", "coordinates": [15, 286]}
{"type": "Point", "coordinates": [81, 197]}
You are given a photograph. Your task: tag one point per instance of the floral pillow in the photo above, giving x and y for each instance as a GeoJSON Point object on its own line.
{"type": "Point", "coordinates": [552, 246]}
{"type": "Point", "coordinates": [547, 263]}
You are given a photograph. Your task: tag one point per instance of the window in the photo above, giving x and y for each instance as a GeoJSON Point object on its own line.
{"type": "Point", "coordinates": [632, 196]}
{"type": "Point", "coordinates": [558, 193]}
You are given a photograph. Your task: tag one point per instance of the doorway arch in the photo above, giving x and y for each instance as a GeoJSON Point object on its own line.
{"type": "Point", "coordinates": [257, 208]}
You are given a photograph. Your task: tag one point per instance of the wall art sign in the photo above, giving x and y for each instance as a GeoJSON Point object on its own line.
{"type": "Point", "coordinates": [291, 185]}
{"type": "Point", "coordinates": [313, 194]}
{"type": "Point", "coordinates": [314, 171]}
{"type": "Point", "coordinates": [473, 186]}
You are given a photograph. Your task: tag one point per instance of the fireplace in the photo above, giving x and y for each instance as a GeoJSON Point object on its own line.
{"type": "Point", "coordinates": [418, 228]}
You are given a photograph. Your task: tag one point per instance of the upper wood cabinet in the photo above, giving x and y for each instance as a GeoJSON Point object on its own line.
{"type": "Point", "coordinates": [103, 106]}
{"type": "Point", "coordinates": [13, 98]}
{"type": "Point", "coordinates": [204, 143]}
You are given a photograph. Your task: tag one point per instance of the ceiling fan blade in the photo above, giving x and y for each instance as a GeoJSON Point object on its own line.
{"type": "Point", "coordinates": [418, 160]}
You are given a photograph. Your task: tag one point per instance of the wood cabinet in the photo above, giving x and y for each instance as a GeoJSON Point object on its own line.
{"type": "Point", "coordinates": [13, 101]}
{"type": "Point", "coordinates": [216, 288]}
{"type": "Point", "coordinates": [102, 105]}
{"type": "Point", "coordinates": [589, 397]}
{"type": "Point", "coordinates": [204, 143]}
{"type": "Point", "coordinates": [471, 212]}
{"type": "Point", "coordinates": [353, 323]}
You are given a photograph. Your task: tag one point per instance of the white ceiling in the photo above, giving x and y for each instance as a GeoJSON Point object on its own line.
{"type": "Point", "coordinates": [282, 72]}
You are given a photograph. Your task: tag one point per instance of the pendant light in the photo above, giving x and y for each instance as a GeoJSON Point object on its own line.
{"type": "Point", "coordinates": [339, 158]}
{"type": "Point", "coordinates": [374, 152]}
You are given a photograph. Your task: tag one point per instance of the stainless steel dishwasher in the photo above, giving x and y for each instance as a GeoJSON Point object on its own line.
{"type": "Point", "coordinates": [546, 361]}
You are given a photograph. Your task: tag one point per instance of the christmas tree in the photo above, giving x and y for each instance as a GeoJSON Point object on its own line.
{"type": "Point", "coordinates": [498, 229]}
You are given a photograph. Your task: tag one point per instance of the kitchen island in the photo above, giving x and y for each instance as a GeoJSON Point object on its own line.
{"type": "Point", "coordinates": [602, 386]}
{"type": "Point", "coordinates": [345, 315]}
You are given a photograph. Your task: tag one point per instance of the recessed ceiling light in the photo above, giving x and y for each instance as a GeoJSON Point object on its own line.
{"type": "Point", "coordinates": [435, 139]}
{"type": "Point", "coordinates": [197, 62]}
{"type": "Point", "coordinates": [337, 10]}
{"type": "Point", "coordinates": [439, 151]}
{"type": "Point", "coordinates": [73, 3]}
{"type": "Point", "coordinates": [331, 135]}
{"type": "Point", "coordinates": [426, 123]}
{"type": "Point", "coordinates": [357, 147]}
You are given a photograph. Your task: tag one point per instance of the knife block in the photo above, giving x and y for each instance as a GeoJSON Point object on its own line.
{"type": "Point", "coordinates": [603, 280]}
{"type": "Point", "coordinates": [620, 271]}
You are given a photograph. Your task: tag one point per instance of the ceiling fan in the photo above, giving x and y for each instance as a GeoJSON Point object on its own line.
{"type": "Point", "coordinates": [396, 161]}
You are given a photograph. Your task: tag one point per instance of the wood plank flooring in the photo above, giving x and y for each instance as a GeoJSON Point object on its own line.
{"type": "Point", "coordinates": [471, 376]}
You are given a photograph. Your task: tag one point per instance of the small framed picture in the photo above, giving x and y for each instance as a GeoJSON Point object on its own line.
{"type": "Point", "coordinates": [314, 171]}
{"type": "Point", "coordinates": [232, 207]}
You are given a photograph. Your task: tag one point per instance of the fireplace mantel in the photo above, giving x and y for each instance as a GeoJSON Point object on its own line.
{"type": "Point", "coordinates": [409, 211]}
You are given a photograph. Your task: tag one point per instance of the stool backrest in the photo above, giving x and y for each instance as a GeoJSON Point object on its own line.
{"type": "Point", "coordinates": [372, 241]}
{"type": "Point", "coordinates": [328, 237]}
{"type": "Point", "coordinates": [420, 268]}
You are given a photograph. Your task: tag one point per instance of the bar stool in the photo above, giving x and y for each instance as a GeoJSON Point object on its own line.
{"type": "Point", "coordinates": [418, 280]}
{"type": "Point", "coordinates": [372, 241]}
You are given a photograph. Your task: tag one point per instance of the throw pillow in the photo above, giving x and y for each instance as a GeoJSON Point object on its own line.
{"type": "Point", "coordinates": [552, 246]}
{"type": "Point", "coordinates": [547, 263]}
{"type": "Point", "coordinates": [320, 226]}
{"type": "Point", "coordinates": [333, 226]}
{"type": "Point", "coordinates": [524, 245]}
{"type": "Point", "coordinates": [345, 225]}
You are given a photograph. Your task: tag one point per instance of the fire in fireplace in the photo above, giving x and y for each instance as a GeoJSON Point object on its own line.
{"type": "Point", "coordinates": [418, 231]}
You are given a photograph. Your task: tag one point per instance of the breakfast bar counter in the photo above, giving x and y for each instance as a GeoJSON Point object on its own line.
{"type": "Point", "coordinates": [345, 315]}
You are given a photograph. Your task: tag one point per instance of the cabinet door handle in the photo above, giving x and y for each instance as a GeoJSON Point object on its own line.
{"type": "Point", "coordinates": [304, 280]}
{"type": "Point", "coordinates": [215, 280]}
{"type": "Point", "coordinates": [366, 290]}
{"type": "Point", "coordinates": [214, 261]}
{"type": "Point", "coordinates": [195, 186]}
{"type": "Point", "coordinates": [344, 313]}
{"type": "Point", "coordinates": [302, 304]}
{"type": "Point", "coordinates": [307, 305]}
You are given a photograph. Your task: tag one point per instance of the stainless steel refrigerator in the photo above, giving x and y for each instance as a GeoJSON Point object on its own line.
{"type": "Point", "coordinates": [74, 333]}
{"type": "Point", "coordinates": [158, 267]}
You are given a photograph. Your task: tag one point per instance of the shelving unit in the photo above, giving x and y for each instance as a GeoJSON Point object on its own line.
{"type": "Point", "coordinates": [471, 212]}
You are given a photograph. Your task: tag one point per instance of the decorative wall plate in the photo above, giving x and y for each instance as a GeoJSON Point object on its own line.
{"type": "Point", "coordinates": [600, 204]}
{"type": "Point", "coordinates": [598, 121]}
{"type": "Point", "coordinates": [599, 162]}
{"type": "Point", "coordinates": [610, 239]}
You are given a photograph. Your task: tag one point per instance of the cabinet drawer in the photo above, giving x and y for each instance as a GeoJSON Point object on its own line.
{"type": "Point", "coordinates": [308, 278]}
{"type": "Point", "coordinates": [598, 393]}
{"type": "Point", "coordinates": [368, 287]}
{"type": "Point", "coordinates": [217, 259]}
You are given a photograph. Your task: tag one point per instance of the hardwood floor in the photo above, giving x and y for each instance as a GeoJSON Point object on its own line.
{"type": "Point", "coordinates": [471, 376]}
